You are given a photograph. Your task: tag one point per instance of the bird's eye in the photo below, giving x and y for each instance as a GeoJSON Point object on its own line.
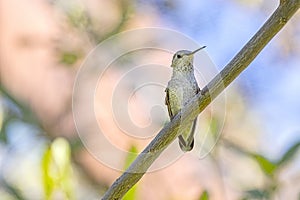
{"type": "Point", "coordinates": [179, 56]}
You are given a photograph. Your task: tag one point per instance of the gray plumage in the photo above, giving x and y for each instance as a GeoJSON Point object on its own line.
{"type": "Point", "coordinates": [180, 90]}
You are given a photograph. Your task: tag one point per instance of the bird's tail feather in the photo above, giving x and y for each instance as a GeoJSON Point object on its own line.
{"type": "Point", "coordinates": [188, 143]}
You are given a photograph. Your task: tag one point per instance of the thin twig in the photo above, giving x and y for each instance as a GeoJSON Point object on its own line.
{"type": "Point", "coordinates": [239, 63]}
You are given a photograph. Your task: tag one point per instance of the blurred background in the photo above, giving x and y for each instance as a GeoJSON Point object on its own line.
{"type": "Point", "coordinates": [44, 43]}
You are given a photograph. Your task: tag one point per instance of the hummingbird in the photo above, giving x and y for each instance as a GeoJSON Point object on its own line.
{"type": "Point", "coordinates": [181, 88]}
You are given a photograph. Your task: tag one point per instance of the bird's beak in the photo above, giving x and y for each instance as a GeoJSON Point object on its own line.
{"type": "Point", "coordinates": [193, 52]}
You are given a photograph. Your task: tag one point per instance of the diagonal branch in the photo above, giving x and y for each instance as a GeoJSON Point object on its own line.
{"type": "Point", "coordinates": [240, 62]}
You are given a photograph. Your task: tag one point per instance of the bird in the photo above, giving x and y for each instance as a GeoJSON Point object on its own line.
{"type": "Point", "coordinates": [181, 88]}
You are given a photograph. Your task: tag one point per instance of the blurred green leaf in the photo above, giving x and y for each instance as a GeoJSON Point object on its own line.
{"type": "Point", "coordinates": [23, 113]}
{"type": "Point", "coordinates": [13, 191]}
{"type": "Point", "coordinates": [3, 126]}
{"type": "Point", "coordinates": [2, 117]}
{"type": "Point", "coordinates": [48, 182]}
{"type": "Point", "coordinates": [214, 127]}
{"type": "Point", "coordinates": [266, 165]}
{"type": "Point", "coordinates": [289, 154]}
{"type": "Point", "coordinates": [56, 167]}
{"type": "Point", "coordinates": [257, 194]}
{"type": "Point", "coordinates": [69, 58]}
{"type": "Point", "coordinates": [78, 16]}
{"type": "Point", "coordinates": [204, 196]}
{"type": "Point", "coordinates": [132, 154]}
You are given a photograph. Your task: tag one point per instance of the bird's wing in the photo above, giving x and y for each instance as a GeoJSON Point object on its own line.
{"type": "Point", "coordinates": [167, 102]}
{"type": "Point", "coordinates": [186, 141]}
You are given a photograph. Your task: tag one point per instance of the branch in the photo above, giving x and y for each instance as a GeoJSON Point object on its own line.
{"type": "Point", "coordinates": [240, 62]}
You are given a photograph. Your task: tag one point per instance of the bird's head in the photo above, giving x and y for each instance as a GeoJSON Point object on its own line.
{"type": "Point", "coordinates": [184, 57]}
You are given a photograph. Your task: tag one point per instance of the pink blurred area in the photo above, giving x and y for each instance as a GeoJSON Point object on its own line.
{"type": "Point", "coordinates": [28, 64]}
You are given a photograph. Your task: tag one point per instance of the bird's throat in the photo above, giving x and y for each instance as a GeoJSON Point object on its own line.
{"type": "Point", "coordinates": [183, 70]}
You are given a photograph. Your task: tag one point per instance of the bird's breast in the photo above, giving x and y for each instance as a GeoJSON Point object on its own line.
{"type": "Point", "coordinates": [182, 90]}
